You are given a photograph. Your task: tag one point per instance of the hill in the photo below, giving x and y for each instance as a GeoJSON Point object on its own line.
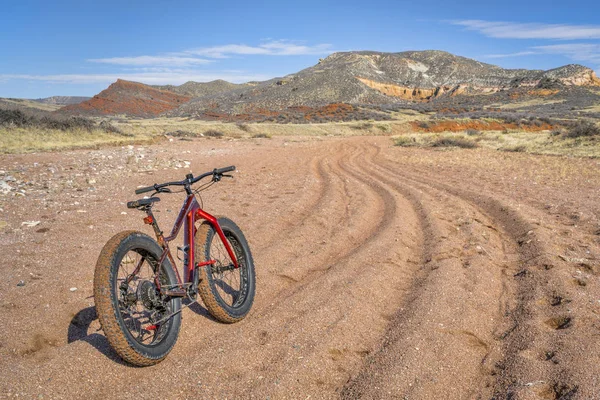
{"type": "Point", "coordinates": [128, 98]}
{"type": "Point", "coordinates": [367, 77]}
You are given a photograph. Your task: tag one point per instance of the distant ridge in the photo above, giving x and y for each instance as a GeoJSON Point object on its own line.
{"type": "Point", "coordinates": [62, 100]}
{"type": "Point", "coordinates": [201, 89]}
{"type": "Point", "coordinates": [356, 77]}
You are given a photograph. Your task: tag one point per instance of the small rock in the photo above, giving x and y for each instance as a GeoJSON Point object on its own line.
{"type": "Point", "coordinates": [21, 283]}
{"type": "Point", "coordinates": [73, 289]}
{"type": "Point", "coordinates": [123, 213]}
{"type": "Point", "coordinates": [30, 224]}
{"type": "Point", "coordinates": [5, 188]}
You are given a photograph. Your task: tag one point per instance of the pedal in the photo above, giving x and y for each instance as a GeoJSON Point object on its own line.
{"type": "Point", "coordinates": [175, 293]}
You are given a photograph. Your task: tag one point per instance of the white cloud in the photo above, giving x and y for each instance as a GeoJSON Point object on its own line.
{"type": "Point", "coordinates": [517, 54]}
{"type": "Point", "coordinates": [271, 48]}
{"type": "Point", "coordinates": [586, 52]}
{"type": "Point", "coordinates": [173, 61]}
{"type": "Point", "coordinates": [581, 52]}
{"type": "Point", "coordinates": [151, 78]}
{"type": "Point", "coordinates": [513, 30]}
{"type": "Point", "coordinates": [189, 58]}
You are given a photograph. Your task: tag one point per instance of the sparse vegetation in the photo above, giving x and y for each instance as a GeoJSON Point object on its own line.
{"type": "Point", "coordinates": [454, 142]}
{"type": "Point", "coordinates": [11, 118]}
{"type": "Point", "coordinates": [261, 136]}
{"type": "Point", "coordinates": [181, 133]}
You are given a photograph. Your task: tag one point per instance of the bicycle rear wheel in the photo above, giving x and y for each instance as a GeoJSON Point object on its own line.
{"type": "Point", "coordinates": [140, 324]}
{"type": "Point", "coordinates": [227, 292]}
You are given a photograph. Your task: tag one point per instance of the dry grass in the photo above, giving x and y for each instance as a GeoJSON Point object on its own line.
{"type": "Point", "coordinates": [27, 140]}
{"type": "Point", "coordinates": [19, 140]}
{"type": "Point", "coordinates": [31, 104]}
{"type": "Point", "coordinates": [161, 126]}
{"type": "Point", "coordinates": [518, 141]}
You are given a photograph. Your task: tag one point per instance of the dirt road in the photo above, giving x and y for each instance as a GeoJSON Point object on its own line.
{"type": "Point", "coordinates": [382, 272]}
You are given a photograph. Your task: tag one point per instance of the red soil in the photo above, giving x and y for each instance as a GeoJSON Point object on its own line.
{"type": "Point", "coordinates": [130, 98]}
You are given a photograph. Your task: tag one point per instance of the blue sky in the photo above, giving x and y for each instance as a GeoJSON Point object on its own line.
{"type": "Point", "coordinates": [80, 47]}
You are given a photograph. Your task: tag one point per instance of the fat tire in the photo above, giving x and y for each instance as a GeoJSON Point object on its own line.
{"type": "Point", "coordinates": [106, 299]}
{"type": "Point", "coordinates": [206, 285]}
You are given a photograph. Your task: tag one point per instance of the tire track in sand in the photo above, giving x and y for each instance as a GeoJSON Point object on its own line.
{"type": "Point", "coordinates": [523, 336]}
{"type": "Point", "coordinates": [306, 340]}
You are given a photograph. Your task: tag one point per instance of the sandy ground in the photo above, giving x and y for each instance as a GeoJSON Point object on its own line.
{"type": "Point", "coordinates": [382, 272]}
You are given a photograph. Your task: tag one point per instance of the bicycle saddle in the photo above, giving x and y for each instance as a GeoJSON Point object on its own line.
{"type": "Point", "coordinates": [142, 202]}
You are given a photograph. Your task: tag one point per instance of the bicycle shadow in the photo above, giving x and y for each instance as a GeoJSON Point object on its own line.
{"type": "Point", "coordinates": [198, 309]}
{"type": "Point", "coordinates": [80, 325]}
{"type": "Point", "coordinates": [78, 331]}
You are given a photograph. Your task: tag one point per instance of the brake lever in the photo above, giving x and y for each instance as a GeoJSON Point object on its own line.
{"type": "Point", "coordinates": [228, 176]}
{"type": "Point", "coordinates": [162, 190]}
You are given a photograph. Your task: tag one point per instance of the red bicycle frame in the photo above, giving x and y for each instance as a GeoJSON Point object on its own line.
{"type": "Point", "coordinates": [190, 213]}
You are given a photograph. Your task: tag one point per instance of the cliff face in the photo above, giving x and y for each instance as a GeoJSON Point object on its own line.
{"type": "Point", "coordinates": [128, 98]}
{"type": "Point", "coordinates": [429, 74]}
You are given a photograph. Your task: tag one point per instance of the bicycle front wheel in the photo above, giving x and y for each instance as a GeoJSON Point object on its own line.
{"type": "Point", "coordinates": [227, 292]}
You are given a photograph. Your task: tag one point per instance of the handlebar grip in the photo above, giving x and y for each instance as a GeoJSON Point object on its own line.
{"type": "Point", "coordinates": [144, 190]}
{"type": "Point", "coordinates": [224, 170]}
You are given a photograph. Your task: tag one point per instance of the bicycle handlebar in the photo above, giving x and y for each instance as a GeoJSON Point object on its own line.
{"type": "Point", "coordinates": [190, 180]}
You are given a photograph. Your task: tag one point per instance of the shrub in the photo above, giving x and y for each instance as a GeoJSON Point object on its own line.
{"type": "Point", "coordinates": [108, 127]}
{"type": "Point", "coordinates": [405, 141]}
{"type": "Point", "coordinates": [453, 142]}
{"type": "Point", "coordinates": [384, 128]}
{"type": "Point", "coordinates": [364, 125]}
{"type": "Point", "coordinates": [244, 127]}
{"type": "Point", "coordinates": [473, 132]}
{"type": "Point", "coordinates": [515, 149]}
{"type": "Point", "coordinates": [14, 117]}
{"type": "Point", "coordinates": [181, 133]}
{"type": "Point", "coordinates": [214, 133]}
{"type": "Point", "coordinates": [582, 128]}
{"type": "Point", "coordinates": [261, 136]}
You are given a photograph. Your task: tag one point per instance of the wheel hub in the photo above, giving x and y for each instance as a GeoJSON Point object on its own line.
{"type": "Point", "coordinates": [148, 295]}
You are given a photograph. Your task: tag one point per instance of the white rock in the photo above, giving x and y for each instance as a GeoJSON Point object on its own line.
{"type": "Point", "coordinates": [73, 289]}
{"type": "Point", "coordinates": [5, 188]}
{"type": "Point", "coordinates": [30, 224]}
